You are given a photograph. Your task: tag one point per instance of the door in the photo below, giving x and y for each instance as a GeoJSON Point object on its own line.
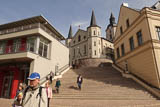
{"type": "Point", "coordinates": [7, 83]}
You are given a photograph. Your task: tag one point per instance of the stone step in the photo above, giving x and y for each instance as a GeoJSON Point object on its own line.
{"type": "Point", "coordinates": [106, 98]}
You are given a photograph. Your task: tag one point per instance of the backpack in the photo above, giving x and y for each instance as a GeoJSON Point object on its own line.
{"type": "Point", "coordinates": [39, 93]}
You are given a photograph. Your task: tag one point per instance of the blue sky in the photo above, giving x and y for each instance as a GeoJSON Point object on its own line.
{"type": "Point", "coordinates": [62, 13]}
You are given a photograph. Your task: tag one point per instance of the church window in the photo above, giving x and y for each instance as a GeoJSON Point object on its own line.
{"type": "Point", "coordinates": [94, 43]}
{"type": "Point", "coordinates": [79, 38]}
{"type": "Point", "coordinates": [85, 49]}
{"type": "Point", "coordinates": [94, 32]}
{"type": "Point", "coordinates": [95, 52]}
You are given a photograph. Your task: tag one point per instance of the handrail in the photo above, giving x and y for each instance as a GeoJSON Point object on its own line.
{"type": "Point", "coordinates": [45, 78]}
{"type": "Point", "coordinates": [63, 68]}
{"type": "Point", "coordinates": [134, 75]}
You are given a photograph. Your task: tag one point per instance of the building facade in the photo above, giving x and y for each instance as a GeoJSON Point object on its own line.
{"type": "Point", "coordinates": [88, 44]}
{"type": "Point", "coordinates": [26, 46]}
{"type": "Point", "coordinates": [137, 43]}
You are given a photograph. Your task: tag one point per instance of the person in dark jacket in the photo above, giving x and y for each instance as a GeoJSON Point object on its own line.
{"type": "Point", "coordinates": [58, 84]}
{"type": "Point", "coordinates": [79, 81]}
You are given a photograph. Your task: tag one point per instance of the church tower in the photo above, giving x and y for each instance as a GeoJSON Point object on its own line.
{"type": "Point", "coordinates": [68, 40]}
{"type": "Point", "coordinates": [94, 40]}
{"type": "Point", "coordinates": [111, 28]}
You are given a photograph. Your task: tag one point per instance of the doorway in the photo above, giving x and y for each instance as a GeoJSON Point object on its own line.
{"type": "Point", "coordinates": [6, 87]}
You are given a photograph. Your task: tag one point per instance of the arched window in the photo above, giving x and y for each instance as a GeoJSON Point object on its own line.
{"type": "Point", "coordinates": [94, 32]}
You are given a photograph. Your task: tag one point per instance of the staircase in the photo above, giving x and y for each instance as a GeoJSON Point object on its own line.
{"type": "Point", "coordinates": [102, 85]}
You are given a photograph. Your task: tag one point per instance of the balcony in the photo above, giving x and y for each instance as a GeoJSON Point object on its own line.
{"type": "Point", "coordinates": [28, 27]}
{"type": "Point", "coordinates": [17, 48]}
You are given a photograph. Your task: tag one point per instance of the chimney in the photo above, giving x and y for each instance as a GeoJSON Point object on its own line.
{"type": "Point", "coordinates": [125, 4]}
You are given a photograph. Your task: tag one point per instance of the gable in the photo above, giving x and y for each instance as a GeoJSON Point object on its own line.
{"type": "Point", "coordinates": [80, 33]}
{"type": "Point", "coordinates": [125, 13]}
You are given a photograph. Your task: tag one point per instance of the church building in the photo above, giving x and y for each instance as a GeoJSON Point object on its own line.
{"type": "Point", "coordinates": [88, 46]}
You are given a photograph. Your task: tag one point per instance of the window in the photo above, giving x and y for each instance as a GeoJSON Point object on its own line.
{"type": "Point", "coordinates": [118, 55]}
{"type": "Point", "coordinates": [79, 38]}
{"type": "Point", "coordinates": [121, 30]}
{"type": "Point", "coordinates": [43, 47]}
{"type": "Point", "coordinates": [158, 32]}
{"type": "Point", "coordinates": [84, 37]}
{"type": "Point", "coordinates": [85, 49]}
{"type": "Point", "coordinates": [139, 38]}
{"type": "Point", "coordinates": [122, 49]}
{"type": "Point", "coordinates": [89, 46]}
{"type": "Point", "coordinates": [16, 45]}
{"type": "Point", "coordinates": [99, 50]}
{"type": "Point", "coordinates": [74, 52]}
{"type": "Point", "coordinates": [127, 23]}
{"type": "Point", "coordinates": [110, 37]}
{"type": "Point", "coordinates": [40, 48]}
{"type": "Point", "coordinates": [99, 42]}
{"type": "Point", "coordinates": [45, 50]}
{"type": "Point", "coordinates": [31, 44]}
{"type": "Point", "coordinates": [74, 41]}
{"type": "Point", "coordinates": [94, 43]}
{"type": "Point", "coordinates": [94, 32]}
{"type": "Point", "coordinates": [131, 41]}
{"type": "Point", "coordinates": [95, 52]}
{"type": "Point", "coordinates": [2, 47]}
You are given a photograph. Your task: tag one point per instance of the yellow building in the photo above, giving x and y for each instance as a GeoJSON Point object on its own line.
{"type": "Point", "coordinates": [26, 46]}
{"type": "Point", "coordinates": [137, 42]}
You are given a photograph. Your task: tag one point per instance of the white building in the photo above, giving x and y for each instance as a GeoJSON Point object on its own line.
{"type": "Point", "coordinates": [89, 45]}
{"type": "Point", "coordinates": [26, 46]}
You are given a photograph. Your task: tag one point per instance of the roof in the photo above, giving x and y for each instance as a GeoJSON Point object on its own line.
{"type": "Point", "coordinates": [70, 33]}
{"type": "Point", "coordinates": [36, 19]}
{"type": "Point", "coordinates": [93, 20]}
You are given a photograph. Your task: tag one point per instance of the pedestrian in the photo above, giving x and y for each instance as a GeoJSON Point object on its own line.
{"type": "Point", "coordinates": [58, 84]}
{"type": "Point", "coordinates": [20, 89]}
{"type": "Point", "coordinates": [34, 95]}
{"type": "Point", "coordinates": [51, 76]}
{"type": "Point", "coordinates": [18, 100]}
{"type": "Point", "coordinates": [79, 81]}
{"type": "Point", "coordinates": [49, 91]}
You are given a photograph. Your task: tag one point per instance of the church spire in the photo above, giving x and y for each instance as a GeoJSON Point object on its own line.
{"type": "Point", "coordinates": [112, 19]}
{"type": "Point", "coordinates": [93, 20]}
{"type": "Point", "coordinates": [70, 33]}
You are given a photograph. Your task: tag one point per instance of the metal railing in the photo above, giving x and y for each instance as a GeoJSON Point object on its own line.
{"type": "Point", "coordinates": [62, 69]}
{"type": "Point", "coordinates": [16, 48]}
{"type": "Point", "coordinates": [45, 78]}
